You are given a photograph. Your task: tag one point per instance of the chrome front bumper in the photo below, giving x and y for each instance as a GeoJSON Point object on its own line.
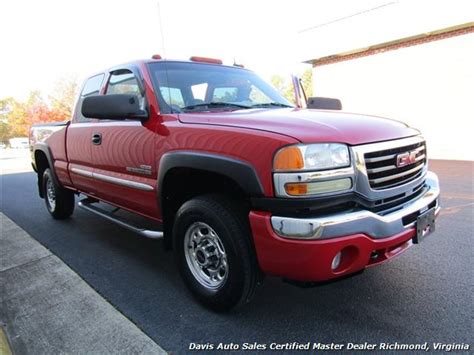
{"type": "Point", "coordinates": [362, 221]}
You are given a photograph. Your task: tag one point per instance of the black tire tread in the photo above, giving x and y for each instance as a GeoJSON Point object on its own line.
{"type": "Point", "coordinates": [233, 215]}
{"type": "Point", "coordinates": [64, 198]}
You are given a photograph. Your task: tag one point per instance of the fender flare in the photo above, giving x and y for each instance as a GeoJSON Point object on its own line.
{"type": "Point", "coordinates": [237, 170]}
{"type": "Point", "coordinates": [44, 148]}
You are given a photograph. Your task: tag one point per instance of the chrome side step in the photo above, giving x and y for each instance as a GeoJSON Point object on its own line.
{"type": "Point", "coordinates": [87, 204]}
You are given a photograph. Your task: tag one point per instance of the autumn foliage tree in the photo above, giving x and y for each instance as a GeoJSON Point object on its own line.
{"type": "Point", "coordinates": [16, 117]}
{"type": "Point", "coordinates": [285, 87]}
{"type": "Point", "coordinates": [63, 97]}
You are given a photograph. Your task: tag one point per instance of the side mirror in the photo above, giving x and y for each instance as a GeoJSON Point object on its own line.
{"type": "Point", "coordinates": [113, 107]}
{"type": "Point", "coordinates": [324, 103]}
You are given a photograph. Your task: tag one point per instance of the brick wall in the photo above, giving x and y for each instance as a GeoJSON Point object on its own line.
{"type": "Point", "coordinates": [391, 46]}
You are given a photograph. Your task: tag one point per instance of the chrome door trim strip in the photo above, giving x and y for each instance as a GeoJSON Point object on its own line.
{"type": "Point", "coordinates": [82, 172]}
{"type": "Point", "coordinates": [113, 180]}
{"type": "Point", "coordinates": [122, 182]}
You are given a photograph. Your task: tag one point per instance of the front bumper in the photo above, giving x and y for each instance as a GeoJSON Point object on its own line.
{"type": "Point", "coordinates": [303, 248]}
{"type": "Point", "coordinates": [363, 221]}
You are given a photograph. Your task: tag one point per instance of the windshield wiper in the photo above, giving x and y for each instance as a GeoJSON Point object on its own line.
{"type": "Point", "coordinates": [271, 104]}
{"type": "Point", "coordinates": [215, 104]}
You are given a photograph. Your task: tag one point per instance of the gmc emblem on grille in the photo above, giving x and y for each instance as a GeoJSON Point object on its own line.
{"type": "Point", "coordinates": [405, 159]}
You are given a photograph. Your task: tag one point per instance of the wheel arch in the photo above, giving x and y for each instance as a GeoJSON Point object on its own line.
{"type": "Point", "coordinates": [186, 174]}
{"type": "Point", "coordinates": [42, 161]}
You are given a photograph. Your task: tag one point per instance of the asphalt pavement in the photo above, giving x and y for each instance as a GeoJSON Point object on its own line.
{"type": "Point", "coordinates": [425, 295]}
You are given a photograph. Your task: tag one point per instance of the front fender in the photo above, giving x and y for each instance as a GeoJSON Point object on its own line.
{"type": "Point", "coordinates": [237, 170]}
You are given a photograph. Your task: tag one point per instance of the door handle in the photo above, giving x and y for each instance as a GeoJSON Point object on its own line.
{"type": "Point", "coordinates": [97, 138]}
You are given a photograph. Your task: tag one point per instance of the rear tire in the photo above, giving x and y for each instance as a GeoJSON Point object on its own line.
{"type": "Point", "coordinates": [214, 252]}
{"type": "Point", "coordinates": [59, 201]}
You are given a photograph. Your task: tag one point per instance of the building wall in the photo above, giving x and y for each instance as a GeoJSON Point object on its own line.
{"type": "Point", "coordinates": [429, 86]}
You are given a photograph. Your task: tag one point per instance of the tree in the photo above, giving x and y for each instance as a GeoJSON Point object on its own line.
{"type": "Point", "coordinates": [307, 82]}
{"type": "Point", "coordinates": [285, 87]}
{"type": "Point", "coordinates": [23, 114]}
{"type": "Point", "coordinates": [278, 83]}
{"type": "Point", "coordinates": [5, 126]}
{"type": "Point", "coordinates": [17, 117]}
{"type": "Point", "coordinates": [63, 97]}
{"type": "Point", "coordinates": [4, 132]}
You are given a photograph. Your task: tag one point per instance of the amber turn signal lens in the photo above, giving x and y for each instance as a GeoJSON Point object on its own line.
{"type": "Point", "coordinates": [296, 189]}
{"type": "Point", "coordinates": [289, 158]}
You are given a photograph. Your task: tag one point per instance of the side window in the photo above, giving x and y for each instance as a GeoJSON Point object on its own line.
{"type": "Point", "coordinates": [124, 82]}
{"type": "Point", "coordinates": [91, 87]}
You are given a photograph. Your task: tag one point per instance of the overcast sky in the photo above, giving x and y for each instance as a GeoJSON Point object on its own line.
{"type": "Point", "coordinates": [45, 40]}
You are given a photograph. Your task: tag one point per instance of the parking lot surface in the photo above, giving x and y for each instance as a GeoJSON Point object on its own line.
{"type": "Point", "coordinates": [425, 295]}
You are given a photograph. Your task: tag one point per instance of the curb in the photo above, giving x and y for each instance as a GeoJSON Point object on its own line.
{"type": "Point", "coordinates": [48, 308]}
{"type": "Point", "coordinates": [4, 345]}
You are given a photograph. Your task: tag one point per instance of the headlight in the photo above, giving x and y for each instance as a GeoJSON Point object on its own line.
{"type": "Point", "coordinates": [312, 157]}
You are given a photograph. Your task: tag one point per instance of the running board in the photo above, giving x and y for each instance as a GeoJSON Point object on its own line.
{"type": "Point", "coordinates": [87, 204]}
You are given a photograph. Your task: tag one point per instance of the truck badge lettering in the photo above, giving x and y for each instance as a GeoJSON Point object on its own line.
{"type": "Point", "coordinates": [143, 169]}
{"type": "Point", "coordinates": [405, 159]}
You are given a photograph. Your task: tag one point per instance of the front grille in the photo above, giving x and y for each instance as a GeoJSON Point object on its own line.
{"type": "Point", "coordinates": [382, 169]}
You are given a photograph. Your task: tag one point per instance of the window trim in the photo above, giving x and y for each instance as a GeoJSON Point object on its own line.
{"type": "Point", "coordinates": [134, 70]}
{"type": "Point", "coordinates": [138, 76]}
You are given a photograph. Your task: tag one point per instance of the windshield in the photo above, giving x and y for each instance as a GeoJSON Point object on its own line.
{"type": "Point", "coordinates": [184, 87]}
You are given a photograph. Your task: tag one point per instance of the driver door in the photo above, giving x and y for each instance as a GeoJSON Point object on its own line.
{"type": "Point", "coordinates": [123, 154]}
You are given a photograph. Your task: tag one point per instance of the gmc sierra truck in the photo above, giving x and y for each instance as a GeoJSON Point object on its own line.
{"type": "Point", "coordinates": [238, 182]}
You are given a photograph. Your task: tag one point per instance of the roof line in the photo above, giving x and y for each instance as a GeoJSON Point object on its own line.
{"type": "Point", "coordinates": [395, 44]}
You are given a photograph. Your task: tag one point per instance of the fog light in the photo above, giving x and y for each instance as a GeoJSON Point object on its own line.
{"type": "Point", "coordinates": [336, 261]}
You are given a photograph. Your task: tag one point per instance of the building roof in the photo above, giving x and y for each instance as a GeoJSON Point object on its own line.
{"type": "Point", "coordinates": [444, 33]}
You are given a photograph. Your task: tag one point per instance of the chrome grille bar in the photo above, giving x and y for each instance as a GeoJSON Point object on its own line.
{"type": "Point", "coordinates": [391, 156]}
{"type": "Point", "coordinates": [376, 160]}
{"type": "Point", "coordinates": [396, 176]}
{"type": "Point", "coordinates": [390, 167]}
{"type": "Point", "coordinates": [382, 167]}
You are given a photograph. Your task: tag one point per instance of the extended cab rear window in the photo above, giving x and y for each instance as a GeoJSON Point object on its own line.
{"type": "Point", "coordinates": [91, 87]}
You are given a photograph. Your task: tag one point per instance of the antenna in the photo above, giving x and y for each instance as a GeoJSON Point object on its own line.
{"type": "Point", "coordinates": [164, 56]}
{"type": "Point", "coordinates": [161, 30]}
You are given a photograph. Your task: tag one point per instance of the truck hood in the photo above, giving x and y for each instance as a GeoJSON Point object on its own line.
{"type": "Point", "coordinates": [308, 126]}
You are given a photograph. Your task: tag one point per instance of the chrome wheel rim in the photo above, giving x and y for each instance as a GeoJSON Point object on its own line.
{"type": "Point", "coordinates": [51, 194]}
{"type": "Point", "coordinates": [205, 255]}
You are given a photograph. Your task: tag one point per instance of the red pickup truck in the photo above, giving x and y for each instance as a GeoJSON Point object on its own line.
{"type": "Point", "coordinates": [237, 181]}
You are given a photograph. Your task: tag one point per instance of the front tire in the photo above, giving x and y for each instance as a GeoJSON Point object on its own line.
{"type": "Point", "coordinates": [214, 252]}
{"type": "Point", "coordinates": [59, 201]}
